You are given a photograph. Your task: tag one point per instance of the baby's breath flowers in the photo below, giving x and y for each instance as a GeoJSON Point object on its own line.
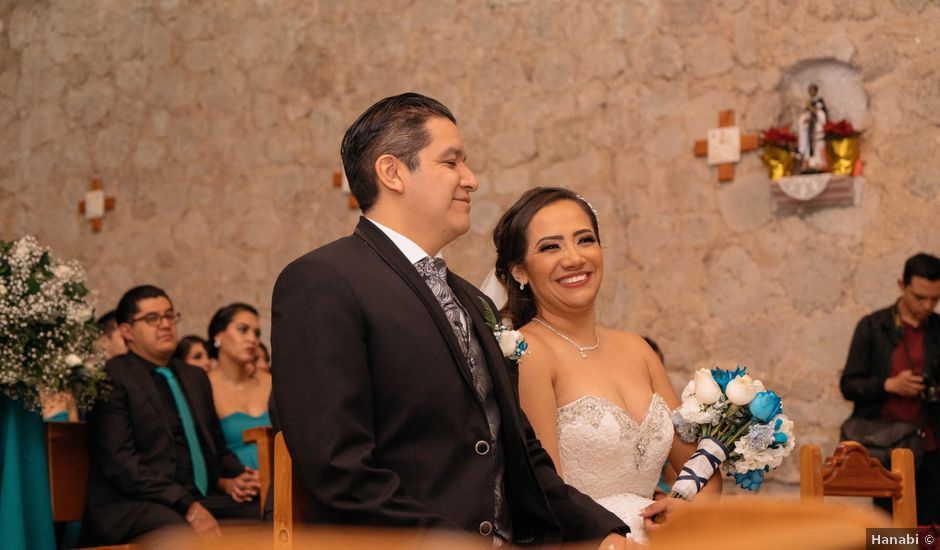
{"type": "Point", "coordinates": [47, 327]}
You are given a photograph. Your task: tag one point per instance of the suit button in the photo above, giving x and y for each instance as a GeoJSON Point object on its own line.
{"type": "Point", "coordinates": [486, 528]}
{"type": "Point", "coordinates": [482, 447]}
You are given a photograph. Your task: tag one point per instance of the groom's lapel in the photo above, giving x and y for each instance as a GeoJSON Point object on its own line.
{"type": "Point", "coordinates": [391, 255]}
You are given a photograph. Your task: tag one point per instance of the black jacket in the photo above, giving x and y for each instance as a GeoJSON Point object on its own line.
{"type": "Point", "coordinates": [379, 411]}
{"type": "Point", "coordinates": [132, 453]}
{"type": "Point", "coordinates": [869, 361]}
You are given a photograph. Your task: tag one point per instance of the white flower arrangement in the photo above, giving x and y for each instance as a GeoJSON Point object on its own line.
{"type": "Point", "coordinates": [47, 327]}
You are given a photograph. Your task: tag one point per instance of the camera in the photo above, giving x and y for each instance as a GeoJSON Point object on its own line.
{"type": "Point", "coordinates": [931, 389]}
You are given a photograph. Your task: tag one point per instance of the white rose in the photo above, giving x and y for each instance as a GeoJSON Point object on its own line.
{"type": "Point", "coordinates": [73, 360]}
{"type": "Point", "coordinates": [507, 342]}
{"type": "Point", "coordinates": [689, 390]}
{"type": "Point", "coordinates": [707, 391]}
{"type": "Point", "coordinates": [3, 290]}
{"type": "Point", "coordinates": [741, 390]}
{"type": "Point", "coordinates": [693, 412]}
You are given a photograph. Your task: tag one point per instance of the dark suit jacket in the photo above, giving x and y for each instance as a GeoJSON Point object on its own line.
{"type": "Point", "coordinates": [377, 406]}
{"type": "Point", "coordinates": [869, 362]}
{"type": "Point", "coordinates": [132, 455]}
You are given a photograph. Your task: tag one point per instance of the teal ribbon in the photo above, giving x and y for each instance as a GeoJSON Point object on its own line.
{"type": "Point", "coordinates": [200, 477]}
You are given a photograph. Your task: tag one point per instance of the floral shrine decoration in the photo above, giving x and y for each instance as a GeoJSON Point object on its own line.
{"type": "Point", "coordinates": [819, 165]}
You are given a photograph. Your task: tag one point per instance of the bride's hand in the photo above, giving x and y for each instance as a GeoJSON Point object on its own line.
{"type": "Point", "coordinates": [663, 507]}
{"type": "Point", "coordinates": [617, 542]}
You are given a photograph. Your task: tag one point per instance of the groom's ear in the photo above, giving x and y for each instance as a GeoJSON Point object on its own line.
{"type": "Point", "coordinates": [387, 168]}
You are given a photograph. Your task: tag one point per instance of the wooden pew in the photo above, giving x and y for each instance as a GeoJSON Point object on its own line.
{"type": "Point", "coordinates": [263, 438]}
{"type": "Point", "coordinates": [67, 452]}
{"type": "Point", "coordinates": [289, 498]}
{"type": "Point", "coordinates": [850, 471]}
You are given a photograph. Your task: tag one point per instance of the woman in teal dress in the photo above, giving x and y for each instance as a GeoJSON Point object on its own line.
{"type": "Point", "coordinates": [240, 391]}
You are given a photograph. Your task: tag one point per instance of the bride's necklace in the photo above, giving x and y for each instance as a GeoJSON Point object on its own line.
{"type": "Point", "coordinates": [581, 349]}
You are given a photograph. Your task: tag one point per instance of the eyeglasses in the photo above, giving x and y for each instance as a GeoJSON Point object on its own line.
{"type": "Point", "coordinates": [153, 319]}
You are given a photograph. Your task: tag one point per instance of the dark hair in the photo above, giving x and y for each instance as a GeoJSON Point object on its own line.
{"type": "Point", "coordinates": [509, 236]}
{"type": "Point", "coordinates": [107, 323]}
{"type": "Point", "coordinates": [921, 265]}
{"type": "Point", "coordinates": [127, 306]}
{"type": "Point", "coordinates": [394, 126]}
{"type": "Point", "coordinates": [221, 320]}
{"type": "Point", "coordinates": [186, 343]}
{"type": "Point", "coordinates": [655, 347]}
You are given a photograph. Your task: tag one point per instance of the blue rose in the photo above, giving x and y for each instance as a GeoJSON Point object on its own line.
{"type": "Point", "coordinates": [722, 377]}
{"type": "Point", "coordinates": [766, 405]}
{"type": "Point", "coordinates": [520, 350]}
{"type": "Point", "coordinates": [751, 480]}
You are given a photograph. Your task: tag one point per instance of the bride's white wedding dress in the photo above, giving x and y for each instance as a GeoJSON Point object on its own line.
{"type": "Point", "coordinates": [607, 455]}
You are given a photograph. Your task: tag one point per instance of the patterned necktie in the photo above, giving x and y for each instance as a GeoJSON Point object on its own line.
{"type": "Point", "coordinates": [434, 272]}
{"type": "Point", "coordinates": [200, 477]}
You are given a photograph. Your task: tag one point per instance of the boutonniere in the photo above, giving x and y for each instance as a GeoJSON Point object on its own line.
{"type": "Point", "coordinates": [511, 342]}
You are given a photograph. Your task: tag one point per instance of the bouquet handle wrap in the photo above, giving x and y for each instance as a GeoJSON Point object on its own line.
{"type": "Point", "coordinates": [700, 466]}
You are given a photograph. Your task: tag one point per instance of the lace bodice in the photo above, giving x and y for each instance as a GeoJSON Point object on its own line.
{"type": "Point", "coordinates": [604, 452]}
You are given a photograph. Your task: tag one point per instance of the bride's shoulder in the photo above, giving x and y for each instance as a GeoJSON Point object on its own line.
{"type": "Point", "coordinates": [624, 337]}
{"type": "Point", "coordinates": [539, 352]}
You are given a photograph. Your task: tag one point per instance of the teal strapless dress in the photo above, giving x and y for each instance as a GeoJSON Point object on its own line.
{"type": "Point", "coordinates": [232, 427]}
{"type": "Point", "coordinates": [61, 416]}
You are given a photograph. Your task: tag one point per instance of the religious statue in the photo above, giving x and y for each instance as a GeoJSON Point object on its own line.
{"type": "Point", "coordinates": [811, 143]}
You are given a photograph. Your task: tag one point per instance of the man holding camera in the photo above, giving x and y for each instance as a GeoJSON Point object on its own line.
{"type": "Point", "coordinates": [893, 370]}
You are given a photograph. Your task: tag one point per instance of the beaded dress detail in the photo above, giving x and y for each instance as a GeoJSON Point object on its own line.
{"type": "Point", "coordinates": [607, 455]}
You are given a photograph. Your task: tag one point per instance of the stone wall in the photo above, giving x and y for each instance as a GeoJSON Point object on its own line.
{"type": "Point", "coordinates": [216, 125]}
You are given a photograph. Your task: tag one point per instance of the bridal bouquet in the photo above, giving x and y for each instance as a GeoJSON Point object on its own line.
{"type": "Point", "coordinates": [738, 424]}
{"type": "Point", "coordinates": [47, 327]}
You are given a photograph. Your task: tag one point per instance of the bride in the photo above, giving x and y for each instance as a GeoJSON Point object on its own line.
{"type": "Point", "coordinates": [599, 399]}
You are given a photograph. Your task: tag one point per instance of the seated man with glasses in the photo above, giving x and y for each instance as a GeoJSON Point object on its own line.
{"type": "Point", "coordinates": [157, 454]}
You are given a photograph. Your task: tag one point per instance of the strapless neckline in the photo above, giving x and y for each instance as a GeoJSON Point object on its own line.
{"type": "Point", "coordinates": [613, 406]}
{"type": "Point", "coordinates": [263, 415]}
{"type": "Point", "coordinates": [611, 456]}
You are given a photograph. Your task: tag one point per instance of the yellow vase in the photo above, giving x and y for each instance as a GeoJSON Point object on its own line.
{"type": "Point", "coordinates": [778, 160]}
{"type": "Point", "coordinates": [842, 153]}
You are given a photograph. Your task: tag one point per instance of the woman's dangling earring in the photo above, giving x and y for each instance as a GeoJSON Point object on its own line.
{"type": "Point", "coordinates": [521, 285]}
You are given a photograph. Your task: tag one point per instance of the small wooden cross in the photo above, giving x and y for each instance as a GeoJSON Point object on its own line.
{"type": "Point", "coordinates": [724, 145]}
{"type": "Point", "coordinates": [95, 205]}
{"type": "Point", "coordinates": [339, 181]}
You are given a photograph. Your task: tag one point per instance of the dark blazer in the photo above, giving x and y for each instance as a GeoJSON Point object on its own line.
{"type": "Point", "coordinates": [132, 455]}
{"type": "Point", "coordinates": [377, 406]}
{"type": "Point", "coordinates": [869, 361]}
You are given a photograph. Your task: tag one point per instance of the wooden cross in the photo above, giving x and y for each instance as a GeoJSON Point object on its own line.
{"type": "Point", "coordinates": [339, 181]}
{"type": "Point", "coordinates": [724, 145]}
{"type": "Point", "coordinates": [95, 205]}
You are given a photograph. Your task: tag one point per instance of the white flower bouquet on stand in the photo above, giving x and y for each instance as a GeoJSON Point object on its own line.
{"type": "Point", "coordinates": [47, 327]}
{"type": "Point", "coordinates": [739, 426]}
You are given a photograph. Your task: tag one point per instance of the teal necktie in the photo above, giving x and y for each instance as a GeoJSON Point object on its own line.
{"type": "Point", "coordinates": [200, 477]}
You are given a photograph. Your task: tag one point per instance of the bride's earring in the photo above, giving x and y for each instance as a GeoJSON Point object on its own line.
{"type": "Point", "coordinates": [521, 285]}
{"type": "Point", "coordinates": [217, 344]}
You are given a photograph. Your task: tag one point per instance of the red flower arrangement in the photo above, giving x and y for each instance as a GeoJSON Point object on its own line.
{"type": "Point", "coordinates": [839, 130]}
{"type": "Point", "coordinates": [781, 137]}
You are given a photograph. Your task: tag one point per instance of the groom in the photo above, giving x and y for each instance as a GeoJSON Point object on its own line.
{"type": "Point", "coordinates": [391, 390]}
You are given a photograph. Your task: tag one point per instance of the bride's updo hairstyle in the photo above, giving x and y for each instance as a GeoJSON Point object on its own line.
{"type": "Point", "coordinates": [509, 236]}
